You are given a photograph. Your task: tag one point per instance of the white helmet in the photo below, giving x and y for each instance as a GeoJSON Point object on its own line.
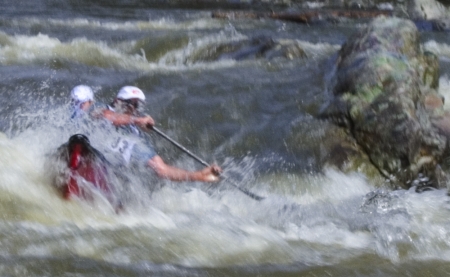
{"type": "Point", "coordinates": [130, 92]}
{"type": "Point", "coordinates": [82, 93]}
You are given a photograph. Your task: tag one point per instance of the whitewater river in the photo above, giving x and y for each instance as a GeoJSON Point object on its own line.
{"type": "Point", "coordinates": [241, 93]}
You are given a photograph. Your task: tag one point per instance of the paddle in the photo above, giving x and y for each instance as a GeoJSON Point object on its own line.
{"type": "Point", "coordinates": [248, 193]}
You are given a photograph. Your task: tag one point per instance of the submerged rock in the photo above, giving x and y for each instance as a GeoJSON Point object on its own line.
{"type": "Point", "coordinates": [385, 95]}
{"type": "Point", "coordinates": [249, 49]}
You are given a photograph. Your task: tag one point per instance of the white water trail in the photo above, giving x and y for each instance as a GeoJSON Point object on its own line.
{"type": "Point", "coordinates": [319, 219]}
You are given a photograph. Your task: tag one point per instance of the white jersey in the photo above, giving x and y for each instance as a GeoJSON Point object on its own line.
{"type": "Point", "coordinates": [125, 143]}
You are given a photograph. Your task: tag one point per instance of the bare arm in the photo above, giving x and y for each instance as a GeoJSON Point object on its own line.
{"type": "Point", "coordinates": [125, 119]}
{"type": "Point", "coordinates": [208, 174]}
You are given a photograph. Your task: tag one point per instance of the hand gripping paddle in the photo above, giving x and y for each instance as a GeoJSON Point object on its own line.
{"type": "Point", "coordinates": [182, 148]}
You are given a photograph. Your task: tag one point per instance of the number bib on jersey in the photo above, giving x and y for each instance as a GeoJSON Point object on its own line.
{"type": "Point", "coordinates": [124, 147]}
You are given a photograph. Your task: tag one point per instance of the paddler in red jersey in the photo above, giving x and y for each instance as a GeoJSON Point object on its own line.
{"type": "Point", "coordinates": [86, 173]}
{"type": "Point", "coordinates": [125, 113]}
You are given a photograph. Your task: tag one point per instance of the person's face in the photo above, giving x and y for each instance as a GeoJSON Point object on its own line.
{"type": "Point", "coordinates": [85, 105]}
{"type": "Point", "coordinates": [132, 105]}
{"type": "Point", "coordinates": [82, 105]}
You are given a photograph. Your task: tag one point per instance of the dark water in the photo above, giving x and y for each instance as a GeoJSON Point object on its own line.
{"type": "Point", "coordinates": [241, 93]}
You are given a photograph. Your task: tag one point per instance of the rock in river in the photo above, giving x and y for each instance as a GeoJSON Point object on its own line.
{"type": "Point", "coordinates": [385, 96]}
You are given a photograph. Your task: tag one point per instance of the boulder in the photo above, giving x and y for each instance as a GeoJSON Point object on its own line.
{"type": "Point", "coordinates": [385, 95]}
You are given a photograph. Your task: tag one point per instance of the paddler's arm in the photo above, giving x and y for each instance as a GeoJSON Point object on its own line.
{"type": "Point", "coordinates": [163, 170]}
{"type": "Point", "coordinates": [119, 119]}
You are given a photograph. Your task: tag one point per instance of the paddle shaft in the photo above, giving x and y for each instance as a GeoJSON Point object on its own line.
{"type": "Point", "coordinates": [182, 148]}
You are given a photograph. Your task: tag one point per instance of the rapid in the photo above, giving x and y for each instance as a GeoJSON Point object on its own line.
{"type": "Point", "coordinates": [210, 87]}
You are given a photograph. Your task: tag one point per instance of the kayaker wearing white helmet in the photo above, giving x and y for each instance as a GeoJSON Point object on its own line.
{"type": "Point", "coordinates": [82, 99]}
{"type": "Point", "coordinates": [125, 111]}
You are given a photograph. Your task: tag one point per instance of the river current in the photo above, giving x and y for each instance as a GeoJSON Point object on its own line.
{"type": "Point", "coordinates": [241, 93]}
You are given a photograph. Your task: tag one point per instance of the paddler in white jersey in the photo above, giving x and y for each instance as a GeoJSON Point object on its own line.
{"type": "Point", "coordinates": [124, 112]}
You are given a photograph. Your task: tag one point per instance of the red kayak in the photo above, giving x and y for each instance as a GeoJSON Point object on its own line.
{"type": "Point", "coordinates": [88, 170]}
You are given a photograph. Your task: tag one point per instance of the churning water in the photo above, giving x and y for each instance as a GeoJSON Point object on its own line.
{"type": "Point", "coordinates": [211, 87]}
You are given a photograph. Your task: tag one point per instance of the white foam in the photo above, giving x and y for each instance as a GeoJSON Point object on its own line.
{"type": "Point", "coordinates": [135, 25]}
{"type": "Point", "coordinates": [427, 9]}
{"type": "Point", "coordinates": [440, 49]}
{"type": "Point", "coordinates": [444, 90]}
